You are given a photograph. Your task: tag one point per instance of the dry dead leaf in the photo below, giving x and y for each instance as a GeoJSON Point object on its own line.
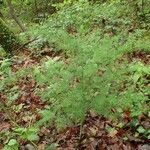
{"type": "Point", "coordinates": [4, 126]}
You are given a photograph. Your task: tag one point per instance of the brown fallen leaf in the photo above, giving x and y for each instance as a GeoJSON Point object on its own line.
{"type": "Point", "coordinates": [4, 126]}
{"type": "Point", "coordinates": [134, 139]}
{"type": "Point", "coordinates": [41, 147]}
{"type": "Point", "coordinates": [144, 147]}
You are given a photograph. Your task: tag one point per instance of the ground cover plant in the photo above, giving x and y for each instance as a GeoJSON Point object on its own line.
{"type": "Point", "coordinates": [78, 77]}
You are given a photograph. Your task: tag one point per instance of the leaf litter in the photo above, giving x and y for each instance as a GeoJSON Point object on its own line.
{"type": "Point", "coordinates": [92, 134]}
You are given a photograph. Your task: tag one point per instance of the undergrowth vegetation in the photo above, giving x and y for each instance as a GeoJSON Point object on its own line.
{"type": "Point", "coordinates": [97, 74]}
{"type": "Point", "coordinates": [100, 64]}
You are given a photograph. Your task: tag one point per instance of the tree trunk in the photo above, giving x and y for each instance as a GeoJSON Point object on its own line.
{"type": "Point", "coordinates": [13, 15]}
{"type": "Point", "coordinates": [8, 40]}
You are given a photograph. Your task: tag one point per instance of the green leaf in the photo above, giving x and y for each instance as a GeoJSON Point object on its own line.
{"type": "Point", "coordinates": [12, 142]}
{"type": "Point", "coordinates": [20, 130]}
{"type": "Point", "coordinates": [141, 129]}
{"type": "Point", "coordinates": [136, 77]}
{"type": "Point", "coordinates": [90, 69]}
{"type": "Point", "coordinates": [33, 137]}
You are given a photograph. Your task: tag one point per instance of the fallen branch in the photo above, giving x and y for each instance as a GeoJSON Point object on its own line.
{"type": "Point", "coordinates": [27, 43]}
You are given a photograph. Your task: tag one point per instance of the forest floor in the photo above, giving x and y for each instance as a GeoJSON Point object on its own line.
{"type": "Point", "coordinates": [95, 133]}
